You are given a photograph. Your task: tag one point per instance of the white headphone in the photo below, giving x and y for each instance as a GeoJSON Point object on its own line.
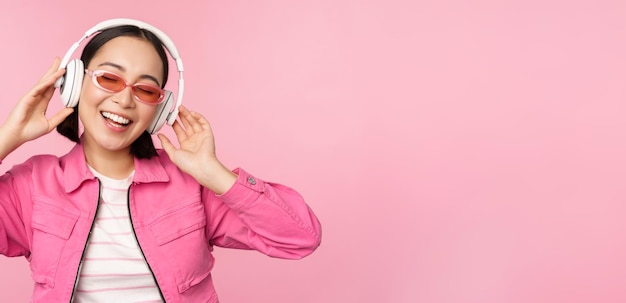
{"type": "Point", "coordinates": [71, 82]}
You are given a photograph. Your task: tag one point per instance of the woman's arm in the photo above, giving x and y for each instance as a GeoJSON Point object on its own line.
{"type": "Point", "coordinates": [27, 121]}
{"type": "Point", "coordinates": [243, 211]}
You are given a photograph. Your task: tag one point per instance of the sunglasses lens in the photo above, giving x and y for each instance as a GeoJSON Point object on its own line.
{"type": "Point", "coordinates": [110, 82]}
{"type": "Point", "coordinates": [148, 93]}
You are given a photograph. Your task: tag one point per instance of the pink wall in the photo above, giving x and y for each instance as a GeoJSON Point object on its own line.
{"type": "Point", "coordinates": [455, 151]}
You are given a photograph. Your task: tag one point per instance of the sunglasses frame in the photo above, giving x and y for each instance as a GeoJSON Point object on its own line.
{"type": "Point", "coordinates": [99, 72]}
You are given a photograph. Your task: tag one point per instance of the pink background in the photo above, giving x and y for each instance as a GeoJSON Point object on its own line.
{"type": "Point", "coordinates": [455, 151]}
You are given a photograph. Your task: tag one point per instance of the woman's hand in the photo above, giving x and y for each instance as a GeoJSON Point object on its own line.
{"type": "Point", "coordinates": [196, 155]}
{"type": "Point", "coordinates": [27, 121]}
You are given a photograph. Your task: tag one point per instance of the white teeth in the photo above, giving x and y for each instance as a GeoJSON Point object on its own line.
{"type": "Point", "coordinates": [115, 118]}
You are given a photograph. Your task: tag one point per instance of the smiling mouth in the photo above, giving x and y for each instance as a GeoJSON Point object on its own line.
{"type": "Point", "coordinates": [115, 119]}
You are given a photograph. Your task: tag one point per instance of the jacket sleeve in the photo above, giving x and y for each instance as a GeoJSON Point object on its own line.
{"type": "Point", "coordinates": [268, 217]}
{"type": "Point", "coordinates": [14, 238]}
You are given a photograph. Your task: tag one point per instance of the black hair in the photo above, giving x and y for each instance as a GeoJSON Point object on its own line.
{"type": "Point", "coordinates": [143, 147]}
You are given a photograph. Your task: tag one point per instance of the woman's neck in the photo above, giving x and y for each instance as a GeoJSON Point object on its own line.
{"type": "Point", "coordinates": [113, 164]}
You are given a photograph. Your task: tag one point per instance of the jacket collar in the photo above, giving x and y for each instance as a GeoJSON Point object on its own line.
{"type": "Point", "coordinates": [76, 170]}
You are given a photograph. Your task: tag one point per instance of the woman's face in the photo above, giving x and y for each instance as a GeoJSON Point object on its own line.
{"type": "Point", "coordinates": [113, 121]}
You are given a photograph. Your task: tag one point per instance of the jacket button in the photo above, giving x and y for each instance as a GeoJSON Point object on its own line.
{"type": "Point", "coordinates": [251, 180]}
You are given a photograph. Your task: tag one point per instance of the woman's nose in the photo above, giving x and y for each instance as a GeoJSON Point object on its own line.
{"type": "Point", "coordinates": [125, 97]}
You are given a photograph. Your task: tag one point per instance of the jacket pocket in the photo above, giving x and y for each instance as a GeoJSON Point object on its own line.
{"type": "Point", "coordinates": [52, 227]}
{"type": "Point", "coordinates": [180, 233]}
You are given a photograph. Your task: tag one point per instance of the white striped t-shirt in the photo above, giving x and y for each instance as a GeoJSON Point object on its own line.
{"type": "Point", "coordinates": [113, 268]}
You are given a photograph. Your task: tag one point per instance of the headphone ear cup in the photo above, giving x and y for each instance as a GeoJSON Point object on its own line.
{"type": "Point", "coordinates": [72, 83]}
{"type": "Point", "coordinates": [162, 113]}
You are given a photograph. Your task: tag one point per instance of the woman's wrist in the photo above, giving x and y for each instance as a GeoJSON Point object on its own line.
{"type": "Point", "coordinates": [217, 177]}
{"type": "Point", "coordinates": [7, 142]}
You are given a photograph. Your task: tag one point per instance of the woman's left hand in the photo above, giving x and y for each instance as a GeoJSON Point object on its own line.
{"type": "Point", "coordinates": [196, 154]}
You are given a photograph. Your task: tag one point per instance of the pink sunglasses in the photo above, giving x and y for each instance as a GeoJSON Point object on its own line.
{"type": "Point", "coordinates": [112, 83]}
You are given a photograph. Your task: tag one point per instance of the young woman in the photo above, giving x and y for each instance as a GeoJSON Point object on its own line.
{"type": "Point", "coordinates": [116, 220]}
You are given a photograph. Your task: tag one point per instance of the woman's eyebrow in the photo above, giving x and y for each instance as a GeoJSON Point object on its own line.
{"type": "Point", "coordinates": [122, 69]}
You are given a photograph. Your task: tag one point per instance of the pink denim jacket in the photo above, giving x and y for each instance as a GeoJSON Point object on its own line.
{"type": "Point", "coordinates": [48, 205]}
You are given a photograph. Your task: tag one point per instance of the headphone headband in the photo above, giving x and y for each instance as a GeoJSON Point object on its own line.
{"type": "Point", "coordinates": [106, 24]}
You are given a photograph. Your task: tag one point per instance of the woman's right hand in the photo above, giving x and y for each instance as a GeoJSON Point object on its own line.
{"type": "Point", "coordinates": [27, 121]}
